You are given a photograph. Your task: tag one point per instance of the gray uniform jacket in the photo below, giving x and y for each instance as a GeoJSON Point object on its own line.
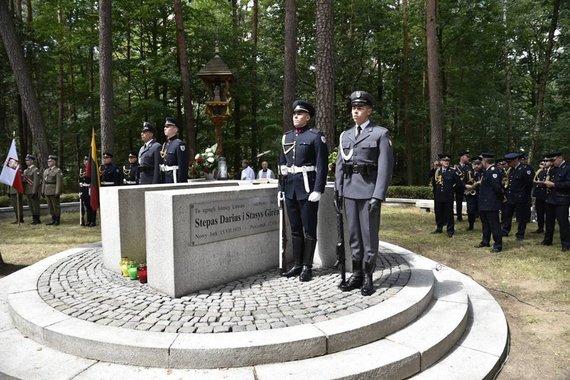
{"type": "Point", "coordinates": [149, 161]}
{"type": "Point", "coordinates": [365, 170]}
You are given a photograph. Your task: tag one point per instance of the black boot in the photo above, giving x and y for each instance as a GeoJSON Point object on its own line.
{"type": "Point", "coordinates": [297, 257]}
{"type": "Point", "coordinates": [355, 279]}
{"type": "Point", "coordinates": [52, 221]}
{"type": "Point", "coordinates": [368, 286]}
{"type": "Point", "coordinates": [57, 218]}
{"type": "Point", "coordinates": [36, 219]}
{"type": "Point", "coordinates": [307, 273]}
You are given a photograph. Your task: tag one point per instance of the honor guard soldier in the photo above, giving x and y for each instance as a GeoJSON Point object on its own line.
{"type": "Point", "coordinates": [149, 156]}
{"type": "Point", "coordinates": [558, 200]}
{"type": "Point", "coordinates": [52, 187]}
{"type": "Point", "coordinates": [518, 190]}
{"type": "Point", "coordinates": [174, 155]}
{"type": "Point", "coordinates": [461, 168]}
{"type": "Point", "coordinates": [490, 203]}
{"type": "Point", "coordinates": [363, 172]}
{"type": "Point", "coordinates": [110, 173]}
{"type": "Point", "coordinates": [89, 216]}
{"type": "Point", "coordinates": [473, 176]}
{"type": "Point", "coordinates": [131, 170]}
{"type": "Point", "coordinates": [32, 187]}
{"type": "Point", "coordinates": [446, 181]}
{"type": "Point", "coordinates": [540, 192]}
{"type": "Point", "coordinates": [304, 163]}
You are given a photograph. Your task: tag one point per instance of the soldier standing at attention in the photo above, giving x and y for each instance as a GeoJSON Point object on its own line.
{"type": "Point", "coordinates": [32, 187]}
{"type": "Point", "coordinates": [471, 196]}
{"type": "Point", "coordinates": [558, 200]}
{"type": "Point", "coordinates": [52, 188]}
{"type": "Point", "coordinates": [149, 156]}
{"type": "Point", "coordinates": [110, 173]}
{"type": "Point", "coordinates": [363, 172]}
{"type": "Point", "coordinates": [131, 170]}
{"type": "Point", "coordinates": [446, 182]}
{"type": "Point", "coordinates": [540, 193]}
{"type": "Point", "coordinates": [304, 163]}
{"type": "Point", "coordinates": [518, 194]}
{"type": "Point", "coordinates": [490, 203]}
{"type": "Point", "coordinates": [174, 155]}
{"type": "Point", "coordinates": [461, 168]}
{"type": "Point", "coordinates": [84, 185]}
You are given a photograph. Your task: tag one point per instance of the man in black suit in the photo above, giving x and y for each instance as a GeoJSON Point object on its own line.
{"type": "Point", "coordinates": [149, 156]}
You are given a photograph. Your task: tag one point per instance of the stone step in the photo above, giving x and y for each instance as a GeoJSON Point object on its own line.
{"type": "Point", "coordinates": [36, 319]}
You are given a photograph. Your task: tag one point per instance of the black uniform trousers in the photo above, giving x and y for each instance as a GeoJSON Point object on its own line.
{"type": "Point", "coordinates": [557, 213]}
{"type": "Point", "coordinates": [302, 217]}
{"type": "Point", "coordinates": [459, 195]}
{"type": "Point", "coordinates": [540, 207]}
{"type": "Point", "coordinates": [362, 229]}
{"type": "Point", "coordinates": [521, 212]}
{"type": "Point", "coordinates": [444, 216]}
{"type": "Point", "coordinates": [472, 208]}
{"type": "Point", "coordinates": [90, 214]}
{"type": "Point", "coordinates": [491, 226]}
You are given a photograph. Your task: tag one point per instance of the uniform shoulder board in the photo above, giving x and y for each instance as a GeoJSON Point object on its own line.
{"type": "Point", "coordinates": [492, 168]}
{"type": "Point", "coordinates": [315, 130]}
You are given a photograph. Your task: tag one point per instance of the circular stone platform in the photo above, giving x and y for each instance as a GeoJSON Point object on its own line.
{"type": "Point", "coordinates": [81, 287]}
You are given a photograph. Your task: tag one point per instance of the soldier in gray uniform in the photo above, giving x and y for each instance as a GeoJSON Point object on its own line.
{"type": "Point", "coordinates": [32, 186]}
{"type": "Point", "coordinates": [363, 173]}
{"type": "Point", "coordinates": [149, 156]}
{"type": "Point", "coordinates": [52, 188]}
{"type": "Point", "coordinates": [174, 155]}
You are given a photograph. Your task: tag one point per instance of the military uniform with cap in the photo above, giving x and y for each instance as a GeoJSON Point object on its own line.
{"type": "Point", "coordinates": [518, 190]}
{"type": "Point", "coordinates": [89, 215]}
{"type": "Point", "coordinates": [174, 155]}
{"type": "Point", "coordinates": [52, 187]}
{"type": "Point", "coordinates": [540, 192]}
{"type": "Point", "coordinates": [446, 183]}
{"type": "Point", "coordinates": [363, 172]}
{"type": "Point", "coordinates": [110, 174]}
{"type": "Point", "coordinates": [471, 195]}
{"type": "Point", "coordinates": [490, 203]}
{"type": "Point", "coordinates": [558, 201]}
{"type": "Point", "coordinates": [131, 170]}
{"type": "Point", "coordinates": [304, 164]}
{"type": "Point", "coordinates": [32, 178]}
{"type": "Point", "coordinates": [149, 156]}
{"type": "Point", "coordinates": [461, 168]}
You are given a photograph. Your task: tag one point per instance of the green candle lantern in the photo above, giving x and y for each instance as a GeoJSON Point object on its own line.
{"type": "Point", "coordinates": [133, 270]}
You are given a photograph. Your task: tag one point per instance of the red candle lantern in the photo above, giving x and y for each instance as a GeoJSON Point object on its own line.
{"type": "Point", "coordinates": [142, 273]}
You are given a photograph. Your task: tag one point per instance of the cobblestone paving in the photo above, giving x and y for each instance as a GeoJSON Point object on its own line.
{"type": "Point", "coordinates": [80, 287]}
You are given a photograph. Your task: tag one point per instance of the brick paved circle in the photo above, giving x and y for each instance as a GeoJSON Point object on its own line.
{"type": "Point", "coordinates": [79, 286]}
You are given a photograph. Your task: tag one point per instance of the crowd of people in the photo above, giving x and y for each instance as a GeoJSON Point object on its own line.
{"type": "Point", "coordinates": [498, 189]}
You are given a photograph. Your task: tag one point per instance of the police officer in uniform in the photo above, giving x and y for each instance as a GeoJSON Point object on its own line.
{"type": "Point", "coordinates": [446, 182]}
{"type": "Point", "coordinates": [540, 192]}
{"type": "Point", "coordinates": [461, 168]}
{"type": "Point", "coordinates": [304, 163]}
{"type": "Point", "coordinates": [174, 155]}
{"type": "Point", "coordinates": [149, 156]}
{"type": "Point", "coordinates": [131, 170]}
{"type": "Point", "coordinates": [518, 195]}
{"type": "Point", "coordinates": [363, 172]}
{"type": "Point", "coordinates": [490, 203]}
{"type": "Point", "coordinates": [52, 187]}
{"type": "Point", "coordinates": [558, 200]}
{"type": "Point", "coordinates": [89, 215]}
{"type": "Point", "coordinates": [471, 194]}
{"type": "Point", "coordinates": [32, 187]}
{"type": "Point", "coordinates": [109, 172]}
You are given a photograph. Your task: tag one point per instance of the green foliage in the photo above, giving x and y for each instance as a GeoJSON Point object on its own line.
{"type": "Point", "coordinates": [410, 192]}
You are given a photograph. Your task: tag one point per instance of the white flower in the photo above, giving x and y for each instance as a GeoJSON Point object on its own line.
{"type": "Point", "coordinates": [197, 156]}
{"type": "Point", "coordinates": [208, 150]}
{"type": "Point", "coordinates": [210, 160]}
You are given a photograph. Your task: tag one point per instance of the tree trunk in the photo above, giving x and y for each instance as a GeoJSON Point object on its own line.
{"type": "Point", "coordinates": [237, 103]}
{"type": "Point", "coordinates": [23, 78]}
{"type": "Point", "coordinates": [185, 76]}
{"type": "Point", "coordinates": [106, 75]}
{"type": "Point", "coordinates": [542, 79]}
{"type": "Point", "coordinates": [290, 73]}
{"type": "Point", "coordinates": [61, 90]}
{"type": "Point", "coordinates": [405, 96]}
{"type": "Point", "coordinates": [325, 70]}
{"type": "Point", "coordinates": [254, 100]}
{"type": "Point", "coordinates": [434, 79]}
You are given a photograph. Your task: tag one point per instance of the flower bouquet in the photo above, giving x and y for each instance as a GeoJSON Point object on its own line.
{"type": "Point", "coordinates": [204, 164]}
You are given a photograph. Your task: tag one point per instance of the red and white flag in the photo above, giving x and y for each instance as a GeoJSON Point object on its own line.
{"type": "Point", "coordinates": [10, 174]}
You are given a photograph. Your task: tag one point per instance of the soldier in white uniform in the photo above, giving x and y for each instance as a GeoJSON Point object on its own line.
{"type": "Point", "coordinates": [363, 173]}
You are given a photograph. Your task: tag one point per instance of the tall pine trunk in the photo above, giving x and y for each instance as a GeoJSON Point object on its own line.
{"type": "Point", "coordinates": [434, 79]}
{"type": "Point", "coordinates": [290, 69]}
{"type": "Point", "coordinates": [106, 75]}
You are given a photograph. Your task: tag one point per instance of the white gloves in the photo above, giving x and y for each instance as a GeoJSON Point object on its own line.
{"type": "Point", "coordinates": [283, 169]}
{"type": "Point", "coordinates": [315, 196]}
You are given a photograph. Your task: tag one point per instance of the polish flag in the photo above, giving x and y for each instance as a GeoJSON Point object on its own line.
{"type": "Point", "coordinates": [10, 174]}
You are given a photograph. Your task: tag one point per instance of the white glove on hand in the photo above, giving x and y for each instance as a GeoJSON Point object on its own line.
{"type": "Point", "coordinates": [280, 196]}
{"type": "Point", "coordinates": [315, 196]}
{"type": "Point", "coordinates": [283, 169]}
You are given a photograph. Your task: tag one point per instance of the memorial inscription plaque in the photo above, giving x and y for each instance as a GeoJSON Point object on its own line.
{"type": "Point", "coordinates": [211, 222]}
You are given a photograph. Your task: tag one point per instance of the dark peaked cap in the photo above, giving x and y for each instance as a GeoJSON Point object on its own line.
{"type": "Point", "coordinates": [361, 97]}
{"type": "Point", "coordinates": [304, 106]}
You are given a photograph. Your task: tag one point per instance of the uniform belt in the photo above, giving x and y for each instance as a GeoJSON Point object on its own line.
{"type": "Point", "coordinates": [166, 168]}
{"type": "Point", "coordinates": [300, 169]}
{"type": "Point", "coordinates": [130, 182]}
{"type": "Point", "coordinates": [358, 168]}
{"type": "Point", "coordinates": [85, 185]}
{"type": "Point", "coordinates": [105, 183]}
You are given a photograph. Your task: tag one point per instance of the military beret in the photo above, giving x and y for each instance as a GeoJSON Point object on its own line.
{"type": "Point", "coordinates": [52, 157]}
{"type": "Point", "coordinates": [487, 155]}
{"type": "Point", "coordinates": [170, 121]}
{"type": "Point", "coordinates": [361, 97]}
{"type": "Point", "coordinates": [303, 106]}
{"type": "Point", "coordinates": [30, 157]}
{"type": "Point", "coordinates": [512, 156]}
{"type": "Point", "coordinates": [443, 157]}
{"type": "Point", "coordinates": [148, 127]}
{"type": "Point", "coordinates": [107, 154]}
{"type": "Point", "coordinates": [463, 153]}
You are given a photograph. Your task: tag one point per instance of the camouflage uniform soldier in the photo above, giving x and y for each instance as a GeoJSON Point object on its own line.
{"type": "Point", "coordinates": [32, 186]}
{"type": "Point", "coordinates": [52, 188]}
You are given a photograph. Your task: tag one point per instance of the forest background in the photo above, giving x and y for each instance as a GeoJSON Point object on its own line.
{"type": "Point", "coordinates": [501, 81]}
